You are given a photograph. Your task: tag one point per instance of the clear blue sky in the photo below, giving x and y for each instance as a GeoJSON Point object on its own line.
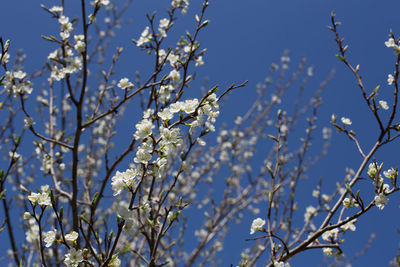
{"type": "Point", "coordinates": [243, 39]}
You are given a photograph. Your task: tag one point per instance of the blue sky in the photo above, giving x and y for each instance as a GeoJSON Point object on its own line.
{"type": "Point", "coordinates": [242, 40]}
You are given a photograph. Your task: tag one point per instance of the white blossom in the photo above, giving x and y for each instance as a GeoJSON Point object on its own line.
{"type": "Point", "coordinates": [50, 237]}
{"type": "Point", "coordinates": [330, 235]}
{"type": "Point", "coordinates": [390, 79]}
{"type": "Point", "coordinates": [281, 264]}
{"type": "Point", "coordinates": [73, 258]}
{"type": "Point", "coordinates": [328, 252]}
{"type": "Point", "coordinates": [349, 226]}
{"type": "Point", "coordinates": [72, 236]}
{"type": "Point", "coordinates": [383, 104]}
{"type": "Point", "coordinates": [310, 212]}
{"type": "Point", "coordinates": [165, 114]}
{"type": "Point", "coordinates": [391, 173]}
{"type": "Point", "coordinates": [144, 129]}
{"type": "Point", "coordinates": [145, 37]}
{"type": "Point", "coordinates": [346, 121]}
{"type": "Point", "coordinates": [122, 180]}
{"type": "Point", "coordinates": [174, 75]}
{"type": "Point", "coordinates": [373, 169]}
{"type": "Point", "coordinates": [380, 201]}
{"type": "Point", "coordinates": [256, 225]}
{"type": "Point", "coordinates": [124, 83]}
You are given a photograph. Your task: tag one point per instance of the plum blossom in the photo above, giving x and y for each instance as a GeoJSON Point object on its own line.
{"type": "Point", "coordinates": [383, 104]}
{"type": "Point", "coordinates": [79, 43]}
{"type": "Point", "coordinates": [390, 79]}
{"type": "Point", "coordinates": [144, 129]}
{"type": "Point", "coordinates": [124, 83]}
{"type": "Point", "coordinates": [281, 264]}
{"type": "Point", "coordinates": [72, 236]}
{"type": "Point", "coordinates": [373, 169]}
{"type": "Point", "coordinates": [391, 173]}
{"type": "Point", "coordinates": [50, 237]}
{"type": "Point", "coordinates": [42, 198]}
{"type": "Point", "coordinates": [174, 75]}
{"type": "Point", "coordinates": [346, 121]}
{"type": "Point", "coordinates": [328, 252]}
{"type": "Point", "coordinates": [330, 235]}
{"type": "Point", "coordinates": [349, 226]}
{"type": "Point", "coordinates": [381, 200]}
{"type": "Point", "coordinates": [165, 114]}
{"type": "Point", "coordinates": [256, 225]}
{"type": "Point", "coordinates": [162, 27]}
{"type": "Point", "coordinates": [73, 258]}
{"type": "Point", "coordinates": [122, 180]}
{"type": "Point", "coordinates": [392, 43]}
{"type": "Point", "coordinates": [310, 212]}
{"type": "Point", "coordinates": [348, 203]}
{"type": "Point", "coordinates": [145, 37]}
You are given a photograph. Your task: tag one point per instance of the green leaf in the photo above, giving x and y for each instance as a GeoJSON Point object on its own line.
{"type": "Point", "coordinates": [150, 222]}
{"type": "Point", "coordinates": [3, 194]}
{"type": "Point", "coordinates": [110, 236]}
{"type": "Point", "coordinates": [273, 137]}
{"type": "Point", "coordinates": [95, 198]}
{"type": "Point", "coordinates": [376, 89]}
{"type": "Point", "coordinates": [51, 38]}
{"type": "Point", "coordinates": [340, 57]}
{"type": "Point", "coordinates": [348, 188]}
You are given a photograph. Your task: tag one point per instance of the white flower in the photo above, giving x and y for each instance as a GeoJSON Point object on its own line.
{"type": "Point", "coordinates": [71, 236]}
{"type": "Point", "coordinates": [190, 105]}
{"type": "Point", "coordinates": [310, 71]}
{"type": "Point", "coordinates": [80, 44]}
{"type": "Point", "coordinates": [103, 2]}
{"type": "Point", "coordinates": [174, 75]}
{"type": "Point", "coordinates": [73, 258]}
{"type": "Point", "coordinates": [281, 264]}
{"type": "Point", "coordinates": [27, 215]}
{"type": "Point", "coordinates": [391, 173]}
{"type": "Point", "coordinates": [373, 169]}
{"type": "Point", "coordinates": [346, 121]}
{"type": "Point", "coordinates": [348, 203]}
{"type": "Point", "coordinates": [50, 237]}
{"type": "Point", "coordinates": [256, 225]}
{"type": "Point", "coordinates": [122, 180]}
{"type": "Point", "coordinates": [142, 156]}
{"type": "Point", "coordinates": [199, 61]}
{"type": "Point", "coordinates": [145, 37]}
{"type": "Point", "coordinates": [161, 29]}
{"type": "Point", "coordinates": [144, 129]}
{"type": "Point", "coordinates": [380, 201]}
{"type": "Point", "coordinates": [349, 226]}
{"type": "Point", "coordinates": [310, 212]}
{"type": "Point", "coordinates": [63, 20]}
{"type": "Point", "coordinates": [125, 83]}
{"type": "Point", "coordinates": [328, 252]}
{"type": "Point", "coordinates": [56, 9]}
{"type": "Point", "coordinates": [390, 43]}
{"type": "Point", "coordinates": [165, 114]}
{"type": "Point", "coordinates": [390, 79]}
{"type": "Point", "coordinates": [42, 199]}
{"type": "Point", "coordinates": [14, 155]}
{"type": "Point", "coordinates": [32, 235]}
{"type": "Point", "coordinates": [330, 235]}
{"type": "Point", "coordinates": [164, 22]}
{"type": "Point", "coordinates": [176, 107]}
{"type": "Point", "coordinates": [326, 133]}
{"type": "Point", "coordinates": [383, 104]}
